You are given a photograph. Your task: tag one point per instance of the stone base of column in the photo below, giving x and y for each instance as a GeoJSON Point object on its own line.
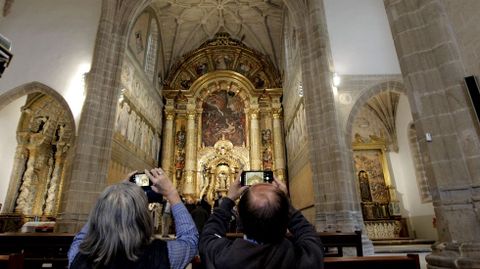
{"type": "Point", "coordinates": [470, 256]}
{"type": "Point", "coordinates": [454, 255]}
{"type": "Point", "coordinates": [70, 223]}
{"type": "Point", "coordinates": [347, 222]}
{"type": "Point", "coordinates": [367, 245]}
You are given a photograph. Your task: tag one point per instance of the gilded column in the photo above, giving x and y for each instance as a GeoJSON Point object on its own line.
{"type": "Point", "coordinates": [278, 145]}
{"type": "Point", "coordinates": [190, 153]}
{"type": "Point", "coordinates": [255, 150]}
{"type": "Point", "coordinates": [168, 143]}
{"type": "Point", "coordinates": [19, 167]}
{"type": "Point", "coordinates": [51, 202]}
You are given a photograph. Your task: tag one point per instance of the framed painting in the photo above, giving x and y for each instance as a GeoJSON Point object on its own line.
{"type": "Point", "coordinates": [372, 172]}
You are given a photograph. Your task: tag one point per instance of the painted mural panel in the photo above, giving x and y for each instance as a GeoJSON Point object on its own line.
{"type": "Point", "coordinates": [369, 168]}
{"type": "Point", "coordinates": [223, 116]}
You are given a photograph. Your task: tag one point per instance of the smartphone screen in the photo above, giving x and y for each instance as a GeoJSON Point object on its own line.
{"type": "Point", "coordinates": [249, 178]}
{"type": "Point", "coordinates": [141, 179]}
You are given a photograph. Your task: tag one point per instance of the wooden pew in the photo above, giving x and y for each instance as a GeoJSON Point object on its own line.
{"type": "Point", "coordinates": [341, 240]}
{"type": "Point", "coordinates": [12, 261]}
{"type": "Point", "coordinates": [331, 240]}
{"type": "Point", "coordinates": [410, 261]}
{"type": "Point", "coordinates": [40, 250]}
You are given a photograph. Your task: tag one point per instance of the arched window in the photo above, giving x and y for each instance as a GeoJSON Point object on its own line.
{"type": "Point", "coordinates": [152, 47]}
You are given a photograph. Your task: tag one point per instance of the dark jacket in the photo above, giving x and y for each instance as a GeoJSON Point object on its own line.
{"type": "Point", "coordinates": [303, 250]}
{"type": "Point", "coordinates": [200, 217]}
{"type": "Point", "coordinates": [154, 256]}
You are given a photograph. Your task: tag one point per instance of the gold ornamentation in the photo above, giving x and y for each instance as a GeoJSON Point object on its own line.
{"type": "Point", "coordinates": [223, 53]}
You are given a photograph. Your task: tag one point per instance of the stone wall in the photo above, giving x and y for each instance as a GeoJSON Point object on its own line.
{"type": "Point", "coordinates": [299, 166]}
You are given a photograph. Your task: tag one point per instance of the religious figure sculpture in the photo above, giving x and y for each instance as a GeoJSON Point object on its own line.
{"type": "Point", "coordinates": [222, 179]}
{"type": "Point", "coordinates": [122, 120]}
{"type": "Point", "coordinates": [267, 159]}
{"type": "Point", "coordinates": [266, 137]}
{"type": "Point", "coordinates": [202, 69]}
{"type": "Point", "coordinates": [364, 186]}
{"type": "Point", "coordinates": [180, 140]}
{"type": "Point", "coordinates": [131, 126]}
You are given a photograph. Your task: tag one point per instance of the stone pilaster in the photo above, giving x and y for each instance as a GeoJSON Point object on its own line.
{"type": "Point", "coordinates": [255, 146]}
{"type": "Point", "coordinates": [433, 72]}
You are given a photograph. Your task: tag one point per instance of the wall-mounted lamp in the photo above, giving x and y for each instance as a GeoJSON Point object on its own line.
{"type": "Point", "coordinates": [336, 80]}
{"type": "Point", "coordinates": [300, 89]}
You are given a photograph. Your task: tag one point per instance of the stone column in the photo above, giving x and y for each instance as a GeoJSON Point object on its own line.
{"type": "Point", "coordinates": [255, 146]}
{"type": "Point", "coordinates": [190, 151]}
{"type": "Point", "coordinates": [337, 204]}
{"type": "Point", "coordinates": [278, 144]}
{"type": "Point", "coordinates": [95, 131]}
{"type": "Point", "coordinates": [433, 70]}
{"type": "Point", "coordinates": [168, 141]}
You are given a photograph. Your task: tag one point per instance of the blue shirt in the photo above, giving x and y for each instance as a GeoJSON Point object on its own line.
{"type": "Point", "coordinates": [180, 251]}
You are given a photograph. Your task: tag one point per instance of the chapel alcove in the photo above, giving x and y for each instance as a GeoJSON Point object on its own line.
{"type": "Point", "coordinates": [45, 135]}
{"type": "Point", "coordinates": [223, 114]}
{"type": "Point", "coordinates": [374, 135]}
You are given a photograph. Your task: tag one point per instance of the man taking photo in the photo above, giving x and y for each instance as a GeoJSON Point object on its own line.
{"type": "Point", "coordinates": [265, 214]}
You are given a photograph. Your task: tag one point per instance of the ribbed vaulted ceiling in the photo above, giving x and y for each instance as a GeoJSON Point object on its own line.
{"type": "Point", "coordinates": [186, 24]}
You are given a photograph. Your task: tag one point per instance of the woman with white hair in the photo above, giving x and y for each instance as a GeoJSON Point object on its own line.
{"type": "Point", "coordinates": [119, 231]}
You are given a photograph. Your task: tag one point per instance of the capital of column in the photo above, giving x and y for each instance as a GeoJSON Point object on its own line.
{"type": "Point", "coordinates": [170, 115]}
{"type": "Point", "coordinates": [191, 114]}
{"type": "Point", "coordinates": [277, 116]}
{"type": "Point", "coordinates": [254, 113]}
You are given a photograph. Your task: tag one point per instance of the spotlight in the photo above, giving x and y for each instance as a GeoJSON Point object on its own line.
{"type": "Point", "coordinates": [336, 80]}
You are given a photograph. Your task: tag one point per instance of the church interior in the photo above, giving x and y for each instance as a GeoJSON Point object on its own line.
{"type": "Point", "coordinates": [359, 107]}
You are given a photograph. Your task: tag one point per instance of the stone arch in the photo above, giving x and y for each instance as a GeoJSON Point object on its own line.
{"type": "Point", "coordinates": [236, 82]}
{"type": "Point", "coordinates": [34, 87]}
{"type": "Point", "coordinates": [420, 174]}
{"type": "Point", "coordinates": [395, 86]}
{"type": "Point", "coordinates": [46, 154]}
{"type": "Point", "coordinates": [297, 9]}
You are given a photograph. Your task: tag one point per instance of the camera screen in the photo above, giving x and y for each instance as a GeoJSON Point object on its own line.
{"type": "Point", "coordinates": [252, 178]}
{"type": "Point", "coordinates": [142, 180]}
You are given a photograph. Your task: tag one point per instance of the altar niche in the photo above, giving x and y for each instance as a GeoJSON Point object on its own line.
{"type": "Point", "coordinates": [45, 136]}
{"type": "Point", "coordinates": [379, 202]}
{"type": "Point", "coordinates": [223, 114]}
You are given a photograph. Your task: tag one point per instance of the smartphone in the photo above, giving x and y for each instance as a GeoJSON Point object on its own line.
{"type": "Point", "coordinates": [249, 178]}
{"type": "Point", "coordinates": [142, 180]}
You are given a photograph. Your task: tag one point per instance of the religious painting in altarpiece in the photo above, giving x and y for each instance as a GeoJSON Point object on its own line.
{"type": "Point", "coordinates": [223, 116]}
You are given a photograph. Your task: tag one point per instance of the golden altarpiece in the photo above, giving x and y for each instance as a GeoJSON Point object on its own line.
{"type": "Point", "coordinates": [45, 136]}
{"type": "Point", "coordinates": [223, 114]}
{"type": "Point", "coordinates": [379, 202]}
